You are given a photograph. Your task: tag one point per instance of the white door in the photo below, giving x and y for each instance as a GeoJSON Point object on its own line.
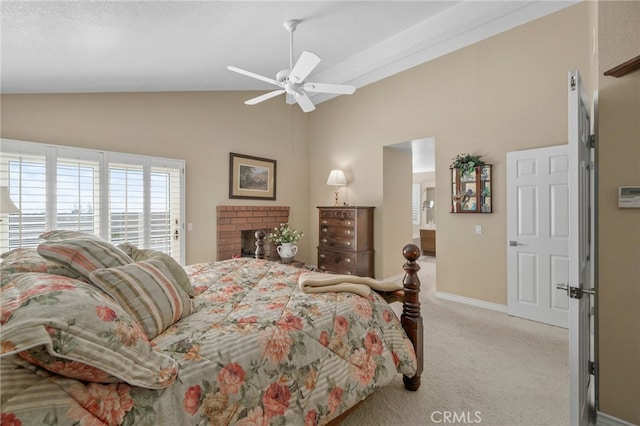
{"type": "Point", "coordinates": [581, 383]}
{"type": "Point", "coordinates": [538, 234]}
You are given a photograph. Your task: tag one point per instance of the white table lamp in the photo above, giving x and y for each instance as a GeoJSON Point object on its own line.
{"type": "Point", "coordinates": [336, 178]}
{"type": "Point", "coordinates": [6, 204]}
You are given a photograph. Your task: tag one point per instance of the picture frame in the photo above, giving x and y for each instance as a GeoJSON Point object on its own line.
{"type": "Point", "coordinates": [252, 178]}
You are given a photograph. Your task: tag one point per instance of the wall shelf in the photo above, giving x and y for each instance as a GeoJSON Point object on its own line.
{"type": "Point", "coordinates": [624, 68]}
{"type": "Point", "coordinates": [471, 192]}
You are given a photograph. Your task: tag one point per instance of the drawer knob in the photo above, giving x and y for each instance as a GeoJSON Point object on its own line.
{"type": "Point", "coordinates": [348, 222]}
{"type": "Point", "coordinates": [348, 272]}
{"type": "Point", "coordinates": [324, 229]}
{"type": "Point", "coordinates": [348, 244]}
{"type": "Point", "coordinates": [322, 256]}
{"type": "Point", "coordinates": [347, 260]}
{"type": "Point", "coordinates": [322, 267]}
{"type": "Point", "coordinates": [348, 232]}
{"type": "Point", "coordinates": [324, 240]}
{"type": "Point", "coordinates": [324, 222]}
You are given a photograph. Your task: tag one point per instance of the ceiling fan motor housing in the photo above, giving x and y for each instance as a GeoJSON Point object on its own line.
{"type": "Point", "coordinates": [292, 87]}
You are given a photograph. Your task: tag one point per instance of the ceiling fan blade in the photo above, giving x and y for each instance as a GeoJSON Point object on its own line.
{"type": "Point", "coordinates": [252, 75]}
{"type": "Point", "coordinates": [264, 97]}
{"type": "Point", "coordinates": [340, 89]}
{"type": "Point", "coordinates": [306, 63]}
{"type": "Point", "coordinates": [304, 102]}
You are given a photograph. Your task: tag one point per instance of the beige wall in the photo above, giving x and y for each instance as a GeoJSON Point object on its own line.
{"type": "Point", "coordinates": [396, 229]}
{"type": "Point", "coordinates": [503, 94]}
{"type": "Point", "coordinates": [199, 127]}
{"type": "Point", "coordinates": [619, 229]}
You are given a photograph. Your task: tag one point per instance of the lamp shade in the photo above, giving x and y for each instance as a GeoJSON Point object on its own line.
{"type": "Point", "coordinates": [336, 177]}
{"type": "Point", "coordinates": [6, 205]}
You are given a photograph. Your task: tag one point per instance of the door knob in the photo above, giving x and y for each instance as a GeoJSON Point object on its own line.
{"type": "Point", "coordinates": [575, 292]}
{"type": "Point", "coordinates": [515, 244]}
{"type": "Point", "coordinates": [564, 287]}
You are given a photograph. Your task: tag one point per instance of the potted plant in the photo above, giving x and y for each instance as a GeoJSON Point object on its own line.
{"type": "Point", "coordinates": [285, 237]}
{"type": "Point", "coordinates": [467, 163]}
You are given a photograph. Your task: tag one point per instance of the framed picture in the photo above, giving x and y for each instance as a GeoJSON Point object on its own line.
{"type": "Point", "coordinates": [252, 177]}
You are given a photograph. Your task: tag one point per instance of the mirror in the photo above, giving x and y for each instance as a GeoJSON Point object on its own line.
{"type": "Point", "coordinates": [429, 205]}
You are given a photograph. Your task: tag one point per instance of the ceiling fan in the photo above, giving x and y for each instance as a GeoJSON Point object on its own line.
{"type": "Point", "coordinates": [292, 80]}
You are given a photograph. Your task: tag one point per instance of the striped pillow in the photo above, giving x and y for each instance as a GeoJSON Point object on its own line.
{"type": "Point", "coordinates": [176, 269]}
{"type": "Point", "coordinates": [148, 291]}
{"type": "Point", "coordinates": [84, 255]}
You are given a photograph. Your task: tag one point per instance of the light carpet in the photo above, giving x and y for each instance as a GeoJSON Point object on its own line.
{"type": "Point", "coordinates": [480, 367]}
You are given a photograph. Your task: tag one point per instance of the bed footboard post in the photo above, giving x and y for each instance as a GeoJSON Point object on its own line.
{"type": "Point", "coordinates": [411, 317]}
{"type": "Point", "coordinates": [260, 244]}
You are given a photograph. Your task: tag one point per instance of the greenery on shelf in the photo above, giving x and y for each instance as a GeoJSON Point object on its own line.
{"type": "Point", "coordinates": [467, 163]}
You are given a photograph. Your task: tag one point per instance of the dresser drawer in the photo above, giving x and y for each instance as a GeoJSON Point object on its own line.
{"type": "Point", "coordinates": [337, 214]}
{"type": "Point", "coordinates": [335, 241]}
{"type": "Point", "coordinates": [336, 262]}
{"type": "Point", "coordinates": [337, 231]}
{"type": "Point", "coordinates": [338, 221]}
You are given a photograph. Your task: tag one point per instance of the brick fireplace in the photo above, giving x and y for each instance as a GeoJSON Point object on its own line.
{"type": "Point", "coordinates": [233, 221]}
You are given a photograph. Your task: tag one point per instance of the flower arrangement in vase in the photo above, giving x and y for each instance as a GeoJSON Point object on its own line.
{"type": "Point", "coordinates": [285, 237]}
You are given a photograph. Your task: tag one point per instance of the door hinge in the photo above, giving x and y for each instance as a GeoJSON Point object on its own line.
{"type": "Point", "coordinates": [593, 368]}
{"type": "Point", "coordinates": [573, 83]}
{"type": "Point", "coordinates": [592, 141]}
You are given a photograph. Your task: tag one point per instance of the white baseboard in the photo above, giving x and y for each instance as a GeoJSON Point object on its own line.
{"type": "Point", "coordinates": [473, 302]}
{"type": "Point", "coordinates": [607, 420]}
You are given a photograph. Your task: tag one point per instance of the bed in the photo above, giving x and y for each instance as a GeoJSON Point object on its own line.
{"type": "Point", "coordinates": [96, 334]}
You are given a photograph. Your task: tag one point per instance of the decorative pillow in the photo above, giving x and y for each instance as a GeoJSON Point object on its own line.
{"type": "Point", "coordinates": [176, 269]}
{"type": "Point", "coordinates": [28, 260]}
{"type": "Point", "coordinates": [148, 291]}
{"type": "Point", "coordinates": [63, 234]}
{"type": "Point", "coordinates": [71, 328]}
{"type": "Point", "coordinates": [84, 255]}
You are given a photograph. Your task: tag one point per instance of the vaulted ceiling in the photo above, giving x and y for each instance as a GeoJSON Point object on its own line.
{"type": "Point", "coordinates": [130, 46]}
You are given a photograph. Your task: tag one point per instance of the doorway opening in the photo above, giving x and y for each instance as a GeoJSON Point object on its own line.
{"type": "Point", "coordinates": [423, 205]}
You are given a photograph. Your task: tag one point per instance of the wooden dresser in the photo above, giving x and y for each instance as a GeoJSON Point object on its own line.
{"type": "Point", "coordinates": [346, 240]}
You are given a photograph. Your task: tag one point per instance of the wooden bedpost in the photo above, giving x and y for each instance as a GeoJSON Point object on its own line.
{"type": "Point", "coordinates": [411, 317]}
{"type": "Point", "coordinates": [260, 244]}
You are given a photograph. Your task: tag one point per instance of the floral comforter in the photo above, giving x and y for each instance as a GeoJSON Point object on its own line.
{"type": "Point", "coordinates": [256, 351]}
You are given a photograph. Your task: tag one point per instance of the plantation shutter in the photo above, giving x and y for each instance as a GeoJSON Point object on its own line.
{"type": "Point", "coordinates": [165, 207]}
{"type": "Point", "coordinates": [24, 171]}
{"type": "Point", "coordinates": [415, 203]}
{"type": "Point", "coordinates": [120, 197]}
{"type": "Point", "coordinates": [77, 195]}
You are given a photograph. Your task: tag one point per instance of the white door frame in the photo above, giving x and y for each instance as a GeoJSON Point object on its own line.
{"type": "Point", "coordinates": [582, 410]}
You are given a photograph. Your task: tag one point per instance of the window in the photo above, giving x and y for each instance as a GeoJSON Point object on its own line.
{"type": "Point", "coordinates": [120, 197]}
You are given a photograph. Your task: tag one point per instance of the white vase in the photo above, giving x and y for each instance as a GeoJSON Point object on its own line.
{"type": "Point", "coordinates": [287, 251]}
